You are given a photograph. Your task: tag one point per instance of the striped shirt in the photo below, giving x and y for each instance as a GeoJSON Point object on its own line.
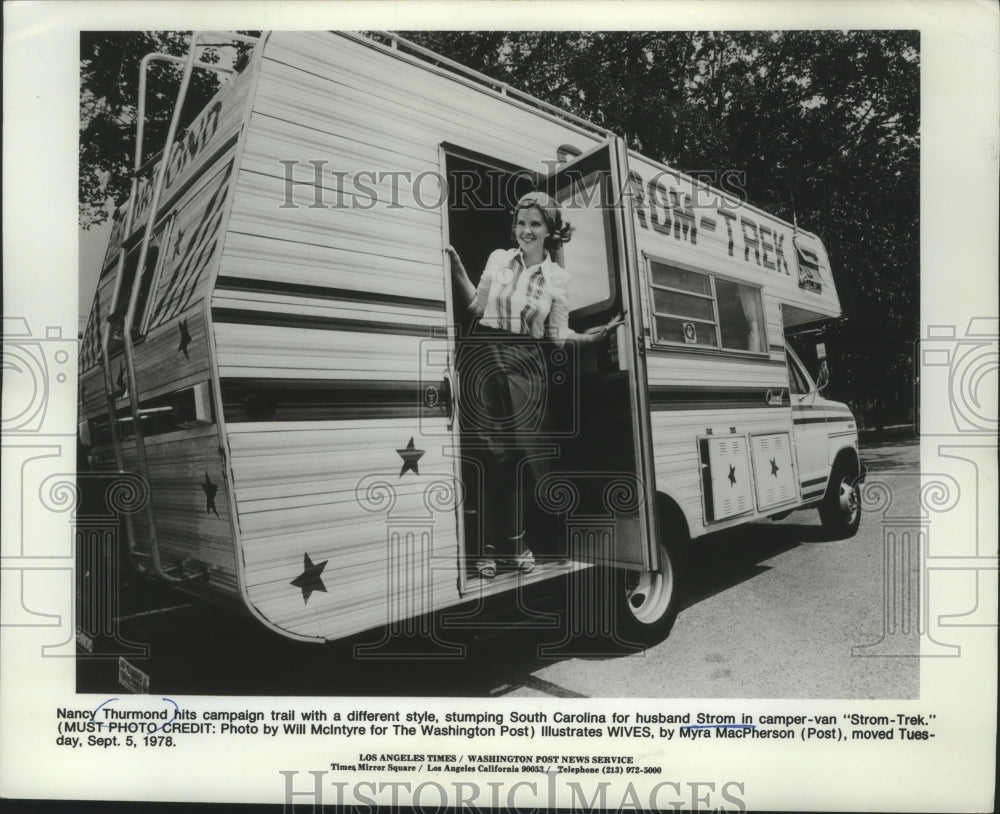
{"type": "Point", "coordinates": [521, 299]}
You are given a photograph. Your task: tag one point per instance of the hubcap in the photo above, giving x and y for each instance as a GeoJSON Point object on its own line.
{"type": "Point", "coordinates": [650, 597]}
{"type": "Point", "coordinates": [850, 500]}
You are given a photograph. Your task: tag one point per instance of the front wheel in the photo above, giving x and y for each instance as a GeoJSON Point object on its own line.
{"type": "Point", "coordinates": [646, 602]}
{"type": "Point", "coordinates": [840, 511]}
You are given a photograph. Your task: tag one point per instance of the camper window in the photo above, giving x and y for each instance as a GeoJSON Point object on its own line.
{"type": "Point", "coordinates": [692, 308]}
{"type": "Point", "coordinates": [589, 252]}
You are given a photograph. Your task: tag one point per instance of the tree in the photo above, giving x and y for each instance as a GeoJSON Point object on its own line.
{"type": "Point", "coordinates": [109, 86]}
{"type": "Point", "coordinates": [824, 125]}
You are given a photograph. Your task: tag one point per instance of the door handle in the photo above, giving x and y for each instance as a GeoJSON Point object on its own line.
{"type": "Point", "coordinates": [450, 395]}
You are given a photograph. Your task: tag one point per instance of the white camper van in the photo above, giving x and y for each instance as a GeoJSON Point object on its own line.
{"type": "Point", "coordinates": [274, 347]}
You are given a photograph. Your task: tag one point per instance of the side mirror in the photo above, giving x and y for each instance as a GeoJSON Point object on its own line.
{"type": "Point", "coordinates": [824, 377]}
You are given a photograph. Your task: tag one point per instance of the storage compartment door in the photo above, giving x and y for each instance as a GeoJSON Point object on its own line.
{"type": "Point", "coordinates": [725, 468]}
{"type": "Point", "coordinates": [772, 467]}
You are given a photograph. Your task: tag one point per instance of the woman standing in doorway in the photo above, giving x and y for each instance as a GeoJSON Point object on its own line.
{"type": "Point", "coordinates": [522, 301]}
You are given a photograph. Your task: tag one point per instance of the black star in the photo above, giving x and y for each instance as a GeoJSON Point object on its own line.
{"type": "Point", "coordinates": [410, 457]}
{"type": "Point", "coordinates": [185, 337]}
{"type": "Point", "coordinates": [774, 468]}
{"type": "Point", "coordinates": [309, 580]}
{"type": "Point", "coordinates": [210, 489]}
{"type": "Point", "coordinates": [732, 475]}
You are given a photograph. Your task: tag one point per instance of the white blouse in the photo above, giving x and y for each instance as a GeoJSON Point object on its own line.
{"type": "Point", "coordinates": [529, 300]}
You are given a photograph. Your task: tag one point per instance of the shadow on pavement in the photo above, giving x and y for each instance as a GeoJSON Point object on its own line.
{"type": "Point", "coordinates": [198, 649]}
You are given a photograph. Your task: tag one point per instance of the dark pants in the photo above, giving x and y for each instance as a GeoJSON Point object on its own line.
{"type": "Point", "coordinates": [505, 413]}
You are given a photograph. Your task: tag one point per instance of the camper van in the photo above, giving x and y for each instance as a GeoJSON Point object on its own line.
{"type": "Point", "coordinates": [274, 347]}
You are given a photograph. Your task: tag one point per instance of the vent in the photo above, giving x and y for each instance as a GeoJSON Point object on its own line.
{"type": "Point", "coordinates": [772, 467]}
{"type": "Point", "coordinates": [726, 477]}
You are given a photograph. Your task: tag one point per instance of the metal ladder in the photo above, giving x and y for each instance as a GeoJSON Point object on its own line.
{"type": "Point", "coordinates": [146, 560]}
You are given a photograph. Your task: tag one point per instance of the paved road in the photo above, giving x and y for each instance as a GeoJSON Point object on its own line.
{"type": "Point", "coordinates": [774, 611]}
{"type": "Point", "coordinates": [771, 610]}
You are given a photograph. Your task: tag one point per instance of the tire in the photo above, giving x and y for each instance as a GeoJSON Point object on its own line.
{"type": "Point", "coordinates": [840, 511]}
{"type": "Point", "coordinates": [646, 602]}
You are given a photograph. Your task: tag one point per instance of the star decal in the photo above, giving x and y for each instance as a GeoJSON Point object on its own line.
{"type": "Point", "coordinates": [185, 337]}
{"type": "Point", "coordinates": [410, 457]}
{"type": "Point", "coordinates": [774, 468]}
{"type": "Point", "coordinates": [732, 475]}
{"type": "Point", "coordinates": [310, 580]}
{"type": "Point", "coordinates": [210, 489]}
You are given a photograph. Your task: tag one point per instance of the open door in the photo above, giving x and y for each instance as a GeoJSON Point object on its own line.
{"type": "Point", "coordinates": [608, 458]}
{"type": "Point", "coordinates": [594, 503]}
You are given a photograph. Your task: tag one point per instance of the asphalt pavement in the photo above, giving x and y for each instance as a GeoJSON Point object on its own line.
{"type": "Point", "coordinates": [769, 610]}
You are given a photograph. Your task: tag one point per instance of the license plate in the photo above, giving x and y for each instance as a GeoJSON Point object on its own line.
{"type": "Point", "coordinates": [132, 678]}
{"type": "Point", "coordinates": [84, 641]}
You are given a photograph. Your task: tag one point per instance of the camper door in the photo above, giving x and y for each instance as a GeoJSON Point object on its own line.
{"type": "Point", "coordinates": [605, 465]}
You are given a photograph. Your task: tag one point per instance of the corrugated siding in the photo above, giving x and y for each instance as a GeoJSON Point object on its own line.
{"type": "Point", "coordinates": [337, 492]}
{"type": "Point", "coordinates": [680, 368]}
{"type": "Point", "coordinates": [403, 234]}
{"type": "Point", "coordinates": [192, 518]}
{"type": "Point", "coordinates": [172, 357]}
{"type": "Point", "coordinates": [675, 450]}
{"type": "Point", "coordinates": [748, 245]}
{"type": "Point", "coordinates": [90, 347]}
{"type": "Point", "coordinates": [412, 108]}
{"type": "Point", "coordinates": [348, 287]}
{"type": "Point", "coordinates": [91, 400]}
{"type": "Point", "coordinates": [215, 126]}
{"type": "Point", "coordinates": [260, 350]}
{"type": "Point", "coordinates": [260, 257]}
{"type": "Point", "coordinates": [194, 243]}
{"type": "Point", "coordinates": [92, 397]}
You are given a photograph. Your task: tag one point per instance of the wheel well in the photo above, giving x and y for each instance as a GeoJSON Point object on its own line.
{"type": "Point", "coordinates": [670, 513]}
{"type": "Point", "coordinates": [848, 458]}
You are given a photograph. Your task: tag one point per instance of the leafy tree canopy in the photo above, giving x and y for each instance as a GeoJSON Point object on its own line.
{"type": "Point", "coordinates": [824, 126]}
{"type": "Point", "coordinates": [109, 104]}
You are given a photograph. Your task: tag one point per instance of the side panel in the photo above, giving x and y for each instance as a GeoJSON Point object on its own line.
{"type": "Point", "coordinates": [188, 492]}
{"type": "Point", "coordinates": [186, 471]}
{"type": "Point", "coordinates": [330, 331]}
{"type": "Point", "coordinates": [701, 226]}
{"type": "Point", "coordinates": [335, 536]}
{"type": "Point", "coordinates": [699, 392]}
{"type": "Point", "coordinates": [92, 398]}
{"type": "Point", "coordinates": [811, 444]}
{"type": "Point", "coordinates": [676, 431]}
{"type": "Point", "coordinates": [213, 132]}
{"type": "Point", "coordinates": [194, 242]}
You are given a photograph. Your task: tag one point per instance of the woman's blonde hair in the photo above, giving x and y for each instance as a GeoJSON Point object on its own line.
{"type": "Point", "coordinates": [559, 231]}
